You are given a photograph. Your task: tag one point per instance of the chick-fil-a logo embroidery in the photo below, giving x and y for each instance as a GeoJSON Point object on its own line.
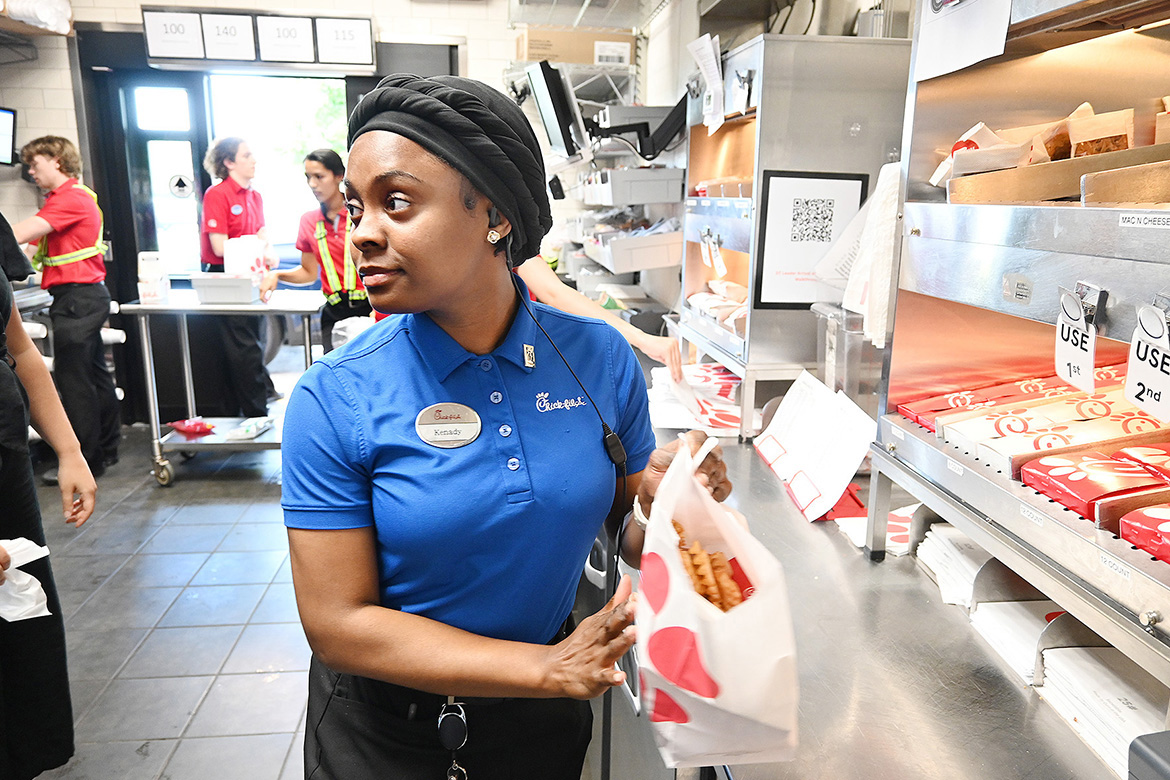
{"type": "Point", "coordinates": [545, 405]}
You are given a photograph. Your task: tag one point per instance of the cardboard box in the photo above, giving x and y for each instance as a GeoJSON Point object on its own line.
{"type": "Point", "coordinates": [1081, 480]}
{"type": "Point", "coordinates": [1149, 529]}
{"type": "Point", "coordinates": [1026, 414]}
{"type": "Point", "coordinates": [215, 288]}
{"type": "Point", "coordinates": [588, 45]}
{"type": "Point", "coordinates": [1154, 458]}
{"type": "Point", "coordinates": [1106, 435]}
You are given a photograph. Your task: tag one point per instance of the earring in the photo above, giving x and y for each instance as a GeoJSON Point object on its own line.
{"type": "Point", "coordinates": [493, 236]}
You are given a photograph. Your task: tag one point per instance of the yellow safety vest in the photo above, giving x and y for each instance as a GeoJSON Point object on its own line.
{"type": "Point", "coordinates": [42, 257]}
{"type": "Point", "coordinates": [350, 270]}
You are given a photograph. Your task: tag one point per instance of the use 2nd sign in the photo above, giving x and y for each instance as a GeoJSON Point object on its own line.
{"type": "Point", "coordinates": [1147, 379]}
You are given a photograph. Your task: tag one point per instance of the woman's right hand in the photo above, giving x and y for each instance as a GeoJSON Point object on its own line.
{"type": "Point", "coordinates": [78, 488]}
{"type": "Point", "coordinates": [5, 562]}
{"type": "Point", "coordinates": [582, 665]}
{"type": "Point", "coordinates": [268, 284]}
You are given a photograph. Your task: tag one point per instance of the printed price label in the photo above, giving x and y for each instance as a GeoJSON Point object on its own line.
{"type": "Point", "coordinates": [1076, 345]}
{"type": "Point", "coordinates": [1147, 379]}
{"type": "Point", "coordinates": [285, 38]}
{"type": "Point", "coordinates": [1161, 221]}
{"type": "Point", "coordinates": [955, 467]}
{"type": "Point", "coordinates": [228, 37]}
{"type": "Point", "coordinates": [1031, 515]}
{"type": "Point", "coordinates": [170, 34]}
{"type": "Point", "coordinates": [1116, 566]}
{"type": "Point", "coordinates": [345, 40]}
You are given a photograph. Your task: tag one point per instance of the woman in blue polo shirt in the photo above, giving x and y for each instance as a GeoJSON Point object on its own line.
{"type": "Point", "coordinates": [445, 475]}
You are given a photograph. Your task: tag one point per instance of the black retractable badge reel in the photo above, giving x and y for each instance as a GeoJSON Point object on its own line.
{"type": "Point", "coordinates": [613, 444]}
{"type": "Point", "coordinates": [453, 734]}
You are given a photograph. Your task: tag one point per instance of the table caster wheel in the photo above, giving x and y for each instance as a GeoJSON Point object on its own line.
{"type": "Point", "coordinates": [164, 472]}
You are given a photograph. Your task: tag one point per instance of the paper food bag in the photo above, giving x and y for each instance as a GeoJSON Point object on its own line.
{"type": "Point", "coordinates": [244, 256]}
{"type": "Point", "coordinates": [719, 687]}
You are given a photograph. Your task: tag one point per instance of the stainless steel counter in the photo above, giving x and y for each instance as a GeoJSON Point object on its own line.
{"type": "Point", "coordinates": [894, 683]}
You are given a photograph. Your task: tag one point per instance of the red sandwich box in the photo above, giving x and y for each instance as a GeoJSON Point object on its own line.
{"type": "Point", "coordinates": [1149, 529]}
{"type": "Point", "coordinates": [1154, 458]}
{"type": "Point", "coordinates": [1094, 485]}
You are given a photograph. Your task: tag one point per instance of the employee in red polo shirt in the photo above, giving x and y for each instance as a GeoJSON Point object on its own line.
{"type": "Point", "coordinates": [232, 209]}
{"type": "Point", "coordinates": [70, 250]}
{"type": "Point", "coordinates": [323, 238]}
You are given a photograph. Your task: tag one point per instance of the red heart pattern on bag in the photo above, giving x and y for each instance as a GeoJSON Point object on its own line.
{"type": "Point", "coordinates": [667, 710]}
{"type": "Point", "coordinates": [655, 580]}
{"type": "Point", "coordinates": [674, 651]}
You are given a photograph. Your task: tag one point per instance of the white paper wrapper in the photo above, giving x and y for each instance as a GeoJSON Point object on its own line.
{"type": "Point", "coordinates": [1111, 132]}
{"type": "Point", "coordinates": [21, 595]}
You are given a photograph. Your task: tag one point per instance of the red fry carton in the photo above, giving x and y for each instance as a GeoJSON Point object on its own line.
{"type": "Point", "coordinates": [1154, 458]}
{"type": "Point", "coordinates": [1149, 529]}
{"type": "Point", "coordinates": [1081, 480]}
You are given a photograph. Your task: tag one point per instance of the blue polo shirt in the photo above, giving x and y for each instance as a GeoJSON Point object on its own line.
{"type": "Point", "coordinates": [489, 537]}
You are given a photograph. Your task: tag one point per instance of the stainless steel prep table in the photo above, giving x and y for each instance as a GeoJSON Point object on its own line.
{"type": "Point", "coordinates": [181, 304]}
{"type": "Point", "coordinates": [894, 684]}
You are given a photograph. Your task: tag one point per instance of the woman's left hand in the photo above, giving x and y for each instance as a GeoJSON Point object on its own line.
{"type": "Point", "coordinates": [78, 489]}
{"type": "Point", "coordinates": [712, 472]}
{"type": "Point", "coordinates": [664, 350]}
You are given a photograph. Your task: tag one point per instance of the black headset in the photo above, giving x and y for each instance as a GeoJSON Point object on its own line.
{"type": "Point", "coordinates": [613, 444]}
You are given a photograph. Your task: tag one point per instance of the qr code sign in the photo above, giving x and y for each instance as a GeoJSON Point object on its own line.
{"type": "Point", "coordinates": [812, 219]}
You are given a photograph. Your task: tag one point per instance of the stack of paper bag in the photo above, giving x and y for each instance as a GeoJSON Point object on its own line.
{"type": "Point", "coordinates": [954, 560]}
{"type": "Point", "coordinates": [1107, 698]}
{"type": "Point", "coordinates": [1013, 630]}
{"type": "Point", "coordinates": [897, 529]}
{"type": "Point", "coordinates": [707, 399]}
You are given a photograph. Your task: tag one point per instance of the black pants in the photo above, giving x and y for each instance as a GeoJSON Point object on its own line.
{"type": "Point", "coordinates": [80, 372]}
{"type": "Point", "coordinates": [362, 729]}
{"type": "Point", "coordinates": [248, 382]}
{"type": "Point", "coordinates": [36, 719]}
{"type": "Point", "coordinates": [247, 378]}
{"type": "Point", "coordinates": [333, 313]}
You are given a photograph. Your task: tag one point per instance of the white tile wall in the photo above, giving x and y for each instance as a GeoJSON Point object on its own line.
{"type": "Point", "coordinates": [42, 91]}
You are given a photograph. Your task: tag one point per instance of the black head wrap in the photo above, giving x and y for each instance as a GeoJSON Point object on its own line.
{"type": "Point", "coordinates": [476, 130]}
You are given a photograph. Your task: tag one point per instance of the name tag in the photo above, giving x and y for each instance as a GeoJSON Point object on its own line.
{"type": "Point", "coordinates": [448, 425]}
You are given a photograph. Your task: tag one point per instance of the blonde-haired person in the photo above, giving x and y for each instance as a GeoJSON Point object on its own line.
{"type": "Point", "coordinates": [70, 248]}
{"type": "Point", "coordinates": [233, 208]}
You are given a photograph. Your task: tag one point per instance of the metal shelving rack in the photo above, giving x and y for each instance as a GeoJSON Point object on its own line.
{"type": "Point", "coordinates": [977, 298]}
{"type": "Point", "coordinates": [800, 87]}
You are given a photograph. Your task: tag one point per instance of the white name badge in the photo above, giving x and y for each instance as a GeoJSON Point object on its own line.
{"type": "Point", "coordinates": [448, 425]}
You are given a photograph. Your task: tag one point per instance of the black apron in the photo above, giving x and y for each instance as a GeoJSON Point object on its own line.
{"type": "Point", "coordinates": [36, 718]}
{"type": "Point", "coordinates": [363, 729]}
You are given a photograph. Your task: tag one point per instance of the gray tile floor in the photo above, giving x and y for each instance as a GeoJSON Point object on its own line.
{"type": "Point", "coordinates": [186, 657]}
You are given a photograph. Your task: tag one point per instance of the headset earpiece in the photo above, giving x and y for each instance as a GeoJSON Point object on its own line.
{"type": "Point", "coordinates": [493, 217]}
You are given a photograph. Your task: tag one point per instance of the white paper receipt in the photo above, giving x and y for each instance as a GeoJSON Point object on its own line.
{"type": "Point", "coordinates": [448, 425]}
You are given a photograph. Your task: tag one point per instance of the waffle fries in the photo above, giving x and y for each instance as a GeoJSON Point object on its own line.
{"type": "Point", "coordinates": [710, 573]}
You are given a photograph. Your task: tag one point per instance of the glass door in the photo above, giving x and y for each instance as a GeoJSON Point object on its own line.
{"type": "Point", "coordinates": [165, 121]}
